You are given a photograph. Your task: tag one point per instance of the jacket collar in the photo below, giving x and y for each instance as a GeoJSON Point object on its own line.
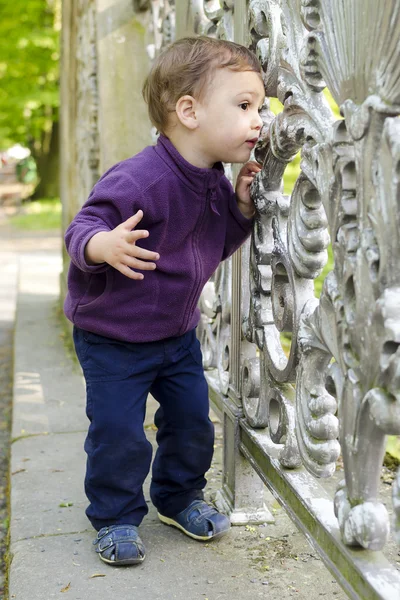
{"type": "Point", "coordinates": [194, 177]}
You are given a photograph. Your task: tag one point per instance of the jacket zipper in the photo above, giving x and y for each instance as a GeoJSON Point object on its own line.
{"type": "Point", "coordinates": [196, 254]}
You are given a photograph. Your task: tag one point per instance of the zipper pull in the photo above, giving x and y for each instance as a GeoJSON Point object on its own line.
{"type": "Point", "coordinates": [213, 200]}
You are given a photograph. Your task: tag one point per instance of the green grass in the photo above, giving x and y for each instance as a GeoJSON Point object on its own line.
{"type": "Point", "coordinates": [38, 214]}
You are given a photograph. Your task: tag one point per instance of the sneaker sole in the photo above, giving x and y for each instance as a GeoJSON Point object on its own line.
{"type": "Point", "coordinates": [122, 563]}
{"type": "Point", "coordinates": [201, 538]}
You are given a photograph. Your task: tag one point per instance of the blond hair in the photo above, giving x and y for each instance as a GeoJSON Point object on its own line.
{"type": "Point", "coordinates": [185, 68]}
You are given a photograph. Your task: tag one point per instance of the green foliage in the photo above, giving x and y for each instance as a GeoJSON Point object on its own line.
{"type": "Point", "coordinates": [393, 449]}
{"type": "Point", "coordinates": [332, 104]}
{"type": "Point", "coordinates": [29, 57]}
{"type": "Point", "coordinates": [40, 214]}
{"type": "Point", "coordinates": [26, 170]}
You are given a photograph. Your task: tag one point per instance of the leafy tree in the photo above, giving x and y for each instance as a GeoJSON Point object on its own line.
{"type": "Point", "coordinates": [29, 74]}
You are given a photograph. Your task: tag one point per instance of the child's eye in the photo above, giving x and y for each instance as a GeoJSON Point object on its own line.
{"type": "Point", "coordinates": [244, 105]}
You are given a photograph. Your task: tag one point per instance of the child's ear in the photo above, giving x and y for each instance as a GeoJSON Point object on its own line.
{"type": "Point", "coordinates": [186, 112]}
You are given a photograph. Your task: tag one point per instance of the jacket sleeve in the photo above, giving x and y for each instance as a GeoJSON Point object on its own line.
{"type": "Point", "coordinates": [114, 199]}
{"type": "Point", "coordinates": [238, 227]}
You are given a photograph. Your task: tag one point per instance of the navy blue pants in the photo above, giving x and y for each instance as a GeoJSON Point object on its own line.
{"type": "Point", "coordinates": [119, 376]}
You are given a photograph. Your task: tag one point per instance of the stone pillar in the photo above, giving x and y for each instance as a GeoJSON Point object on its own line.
{"type": "Point", "coordinates": [123, 63]}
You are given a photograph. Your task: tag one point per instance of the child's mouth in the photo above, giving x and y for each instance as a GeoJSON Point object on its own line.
{"type": "Point", "coordinates": [252, 143]}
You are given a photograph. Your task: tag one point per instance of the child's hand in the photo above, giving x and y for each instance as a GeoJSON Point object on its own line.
{"type": "Point", "coordinates": [243, 182]}
{"type": "Point", "coordinates": [118, 248]}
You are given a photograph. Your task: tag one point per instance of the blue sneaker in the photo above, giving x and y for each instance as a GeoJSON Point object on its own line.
{"type": "Point", "coordinates": [120, 545]}
{"type": "Point", "coordinates": [199, 521]}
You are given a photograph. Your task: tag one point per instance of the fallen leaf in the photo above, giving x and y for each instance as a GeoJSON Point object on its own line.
{"type": "Point", "coordinates": [66, 588]}
{"type": "Point", "coordinates": [65, 504]}
{"type": "Point", "coordinates": [96, 575]}
{"type": "Point", "coordinates": [18, 471]}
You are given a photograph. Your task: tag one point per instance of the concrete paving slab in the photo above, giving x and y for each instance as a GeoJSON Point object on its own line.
{"type": "Point", "coordinates": [48, 394]}
{"type": "Point", "coordinates": [46, 401]}
{"type": "Point", "coordinates": [174, 569]}
{"type": "Point", "coordinates": [52, 468]}
{"type": "Point", "coordinates": [47, 471]}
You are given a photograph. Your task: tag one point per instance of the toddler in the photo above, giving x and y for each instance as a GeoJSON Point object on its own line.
{"type": "Point", "coordinates": [152, 232]}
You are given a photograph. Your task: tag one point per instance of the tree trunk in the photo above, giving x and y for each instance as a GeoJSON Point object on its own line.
{"type": "Point", "coordinates": [48, 166]}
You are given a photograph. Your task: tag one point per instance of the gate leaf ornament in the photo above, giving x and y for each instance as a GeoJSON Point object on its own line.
{"type": "Point", "coordinates": [345, 348]}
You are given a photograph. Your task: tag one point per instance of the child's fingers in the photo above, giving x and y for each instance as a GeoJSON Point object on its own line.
{"type": "Point", "coordinates": [247, 180]}
{"type": "Point", "coordinates": [137, 252]}
{"type": "Point", "coordinates": [135, 263]}
{"type": "Point", "coordinates": [134, 220]}
{"type": "Point", "coordinates": [137, 234]}
{"type": "Point", "coordinates": [253, 167]}
{"type": "Point", "coordinates": [128, 272]}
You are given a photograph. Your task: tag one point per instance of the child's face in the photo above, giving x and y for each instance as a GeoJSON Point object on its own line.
{"type": "Point", "coordinates": [228, 117]}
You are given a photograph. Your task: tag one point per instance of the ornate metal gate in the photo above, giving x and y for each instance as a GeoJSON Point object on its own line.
{"type": "Point", "coordinates": [284, 413]}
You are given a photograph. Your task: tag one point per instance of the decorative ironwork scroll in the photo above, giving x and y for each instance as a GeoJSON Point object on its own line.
{"type": "Point", "coordinates": [358, 317]}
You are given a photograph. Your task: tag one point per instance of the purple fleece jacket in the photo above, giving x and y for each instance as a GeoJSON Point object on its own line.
{"type": "Point", "coordinates": [193, 222]}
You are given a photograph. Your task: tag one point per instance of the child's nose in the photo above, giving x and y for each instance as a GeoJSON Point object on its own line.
{"type": "Point", "coordinates": [258, 123]}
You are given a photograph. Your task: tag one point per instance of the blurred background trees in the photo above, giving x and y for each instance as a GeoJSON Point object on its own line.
{"type": "Point", "coordinates": [29, 80]}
